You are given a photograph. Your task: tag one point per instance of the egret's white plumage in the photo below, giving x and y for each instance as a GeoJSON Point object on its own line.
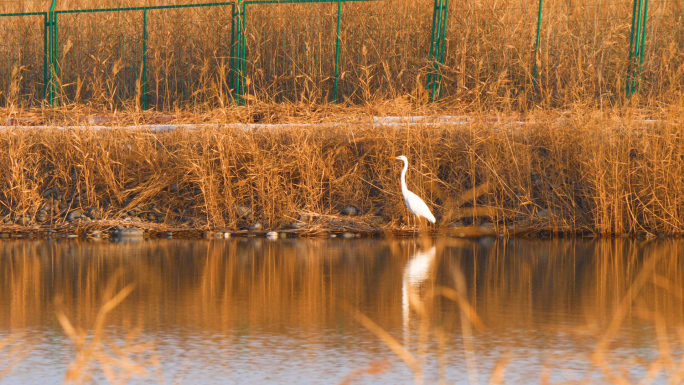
{"type": "Point", "coordinates": [415, 205]}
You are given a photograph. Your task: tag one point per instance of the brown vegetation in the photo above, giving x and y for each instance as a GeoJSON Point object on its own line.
{"type": "Point", "coordinates": [591, 165]}
{"type": "Point", "coordinates": [591, 173]}
{"type": "Point", "coordinates": [384, 53]}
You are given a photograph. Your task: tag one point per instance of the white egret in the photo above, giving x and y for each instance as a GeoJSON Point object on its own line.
{"type": "Point", "coordinates": [415, 205]}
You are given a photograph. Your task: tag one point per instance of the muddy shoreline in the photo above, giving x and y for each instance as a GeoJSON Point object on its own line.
{"type": "Point", "coordinates": [115, 230]}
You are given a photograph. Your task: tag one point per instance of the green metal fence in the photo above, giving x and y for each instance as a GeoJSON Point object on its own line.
{"type": "Point", "coordinates": [170, 55]}
{"type": "Point", "coordinates": [22, 55]}
{"type": "Point", "coordinates": [153, 56]}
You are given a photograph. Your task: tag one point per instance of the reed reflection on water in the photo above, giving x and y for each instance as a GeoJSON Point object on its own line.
{"type": "Point", "coordinates": [258, 311]}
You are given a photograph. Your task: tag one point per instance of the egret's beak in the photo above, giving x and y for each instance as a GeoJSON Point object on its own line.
{"type": "Point", "coordinates": [393, 158]}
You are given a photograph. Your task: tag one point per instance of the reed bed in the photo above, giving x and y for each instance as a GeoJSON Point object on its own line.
{"type": "Point", "coordinates": [601, 174]}
{"type": "Point", "coordinates": [491, 59]}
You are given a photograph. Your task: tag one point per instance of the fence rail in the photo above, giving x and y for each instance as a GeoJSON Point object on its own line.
{"type": "Point", "coordinates": [286, 50]}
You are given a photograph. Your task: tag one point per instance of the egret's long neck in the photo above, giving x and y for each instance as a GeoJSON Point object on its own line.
{"type": "Point", "coordinates": [403, 176]}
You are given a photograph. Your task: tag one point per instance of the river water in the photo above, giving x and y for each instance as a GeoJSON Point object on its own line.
{"type": "Point", "coordinates": [331, 311]}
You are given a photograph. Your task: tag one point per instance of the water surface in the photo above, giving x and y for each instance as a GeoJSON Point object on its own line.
{"type": "Point", "coordinates": [248, 311]}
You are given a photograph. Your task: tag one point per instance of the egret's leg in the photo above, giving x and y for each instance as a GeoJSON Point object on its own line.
{"type": "Point", "coordinates": [425, 225]}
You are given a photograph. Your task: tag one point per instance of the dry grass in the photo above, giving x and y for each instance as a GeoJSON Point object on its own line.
{"type": "Point", "coordinates": [588, 166]}
{"type": "Point", "coordinates": [582, 60]}
{"type": "Point", "coordinates": [610, 173]}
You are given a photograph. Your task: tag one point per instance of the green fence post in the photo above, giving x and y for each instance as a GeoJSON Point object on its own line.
{"type": "Point", "coordinates": [143, 97]}
{"type": "Point", "coordinates": [46, 27]}
{"type": "Point", "coordinates": [436, 53]}
{"type": "Point", "coordinates": [536, 51]}
{"type": "Point", "coordinates": [337, 51]}
{"type": "Point", "coordinates": [55, 56]}
{"type": "Point", "coordinates": [437, 46]}
{"type": "Point", "coordinates": [239, 42]}
{"type": "Point", "coordinates": [636, 45]}
{"type": "Point", "coordinates": [641, 48]}
{"type": "Point", "coordinates": [51, 53]}
{"type": "Point", "coordinates": [631, 49]}
{"type": "Point", "coordinates": [243, 56]}
{"type": "Point", "coordinates": [432, 42]}
{"type": "Point", "coordinates": [236, 48]}
{"type": "Point", "coordinates": [55, 60]}
{"type": "Point", "coordinates": [232, 48]}
{"type": "Point", "coordinates": [633, 41]}
{"type": "Point", "coordinates": [442, 56]}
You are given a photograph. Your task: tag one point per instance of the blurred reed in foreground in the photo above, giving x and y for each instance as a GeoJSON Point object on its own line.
{"type": "Point", "coordinates": [648, 292]}
{"type": "Point", "coordinates": [608, 305]}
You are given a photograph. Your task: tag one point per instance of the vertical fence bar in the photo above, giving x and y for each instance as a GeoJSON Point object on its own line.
{"type": "Point", "coordinates": [535, 74]}
{"type": "Point", "coordinates": [237, 17]}
{"type": "Point", "coordinates": [438, 43]}
{"type": "Point", "coordinates": [631, 35]}
{"type": "Point", "coordinates": [633, 46]}
{"type": "Point", "coordinates": [46, 27]}
{"type": "Point", "coordinates": [232, 48]}
{"type": "Point", "coordinates": [635, 49]}
{"type": "Point", "coordinates": [641, 48]}
{"type": "Point", "coordinates": [143, 87]}
{"type": "Point", "coordinates": [631, 49]}
{"type": "Point", "coordinates": [432, 42]}
{"type": "Point", "coordinates": [442, 56]}
{"type": "Point", "coordinates": [239, 57]}
{"type": "Point", "coordinates": [337, 51]}
{"type": "Point", "coordinates": [56, 56]}
{"type": "Point", "coordinates": [51, 52]}
{"type": "Point", "coordinates": [54, 65]}
{"type": "Point", "coordinates": [243, 49]}
{"type": "Point", "coordinates": [436, 54]}
{"type": "Point", "coordinates": [437, 47]}
{"type": "Point", "coordinates": [48, 96]}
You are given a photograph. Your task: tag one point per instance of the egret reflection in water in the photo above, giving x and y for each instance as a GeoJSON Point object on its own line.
{"type": "Point", "coordinates": [251, 311]}
{"type": "Point", "coordinates": [417, 271]}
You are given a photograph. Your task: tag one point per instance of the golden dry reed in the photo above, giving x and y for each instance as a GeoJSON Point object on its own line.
{"type": "Point", "coordinates": [491, 59]}
{"type": "Point", "coordinates": [593, 173]}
